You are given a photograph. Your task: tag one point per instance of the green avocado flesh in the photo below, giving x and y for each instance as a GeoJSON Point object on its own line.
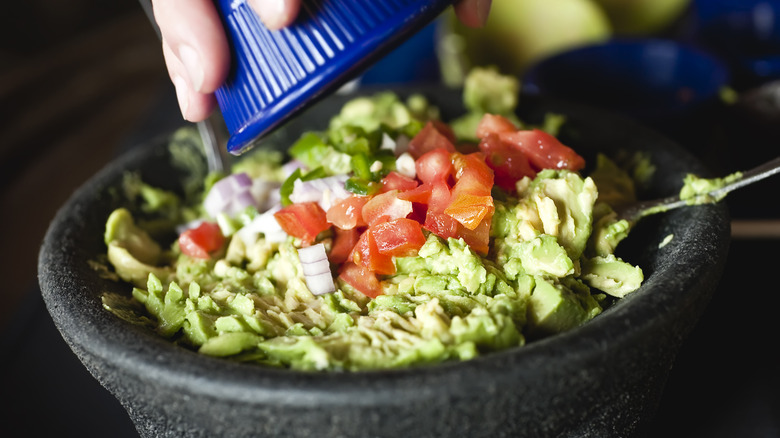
{"type": "Point", "coordinates": [551, 264]}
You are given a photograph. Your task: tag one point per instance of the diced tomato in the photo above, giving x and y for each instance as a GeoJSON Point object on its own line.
{"type": "Point", "coordinates": [398, 238]}
{"type": "Point", "coordinates": [361, 279]}
{"type": "Point", "coordinates": [434, 165]}
{"type": "Point", "coordinates": [198, 242]}
{"type": "Point", "coordinates": [432, 136]}
{"type": "Point", "coordinates": [509, 163]}
{"type": "Point", "coordinates": [440, 196]}
{"type": "Point", "coordinates": [441, 224]}
{"type": "Point", "coordinates": [303, 220]}
{"type": "Point", "coordinates": [347, 213]}
{"type": "Point", "coordinates": [396, 181]}
{"type": "Point", "coordinates": [418, 195]}
{"type": "Point", "coordinates": [366, 254]}
{"type": "Point", "coordinates": [494, 124]}
{"type": "Point", "coordinates": [385, 206]}
{"type": "Point", "coordinates": [470, 210]}
{"type": "Point", "coordinates": [478, 238]}
{"type": "Point", "coordinates": [472, 174]}
{"type": "Point", "coordinates": [543, 150]}
{"type": "Point", "coordinates": [343, 242]}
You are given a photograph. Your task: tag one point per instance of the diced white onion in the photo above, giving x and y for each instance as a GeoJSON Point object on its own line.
{"type": "Point", "coordinates": [289, 167]}
{"type": "Point", "coordinates": [324, 191]}
{"type": "Point", "coordinates": [404, 165]}
{"type": "Point", "coordinates": [376, 166]}
{"type": "Point", "coordinates": [316, 269]}
{"type": "Point", "coordinates": [397, 146]}
{"type": "Point", "coordinates": [266, 193]}
{"type": "Point", "coordinates": [240, 202]}
{"type": "Point", "coordinates": [228, 191]}
{"type": "Point", "coordinates": [264, 223]}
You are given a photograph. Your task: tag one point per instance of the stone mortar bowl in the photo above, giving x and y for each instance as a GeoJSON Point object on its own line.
{"type": "Point", "coordinates": [602, 379]}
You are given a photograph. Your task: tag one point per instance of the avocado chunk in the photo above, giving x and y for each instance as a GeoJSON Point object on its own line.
{"type": "Point", "coordinates": [554, 308]}
{"type": "Point", "coordinates": [612, 275]}
{"type": "Point", "coordinates": [132, 252]}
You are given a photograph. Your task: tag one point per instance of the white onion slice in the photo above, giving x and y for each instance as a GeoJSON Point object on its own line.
{"type": "Point", "coordinates": [316, 269]}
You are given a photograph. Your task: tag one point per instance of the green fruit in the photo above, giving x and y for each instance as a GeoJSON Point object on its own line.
{"type": "Point", "coordinates": [520, 32]}
{"type": "Point", "coordinates": [642, 17]}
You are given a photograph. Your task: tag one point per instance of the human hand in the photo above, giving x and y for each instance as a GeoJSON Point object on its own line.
{"type": "Point", "coordinates": [196, 49]}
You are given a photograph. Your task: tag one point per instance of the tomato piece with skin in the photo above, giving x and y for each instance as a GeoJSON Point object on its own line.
{"type": "Point", "coordinates": [360, 278]}
{"type": "Point", "coordinates": [202, 240]}
{"type": "Point", "coordinates": [343, 243]}
{"type": "Point", "coordinates": [543, 150]}
{"type": "Point", "coordinates": [434, 165]}
{"type": "Point", "coordinates": [399, 237]}
{"type": "Point", "coordinates": [385, 206]}
{"type": "Point", "coordinates": [470, 210]}
{"type": "Point", "coordinates": [366, 254]}
{"type": "Point", "coordinates": [431, 136]}
{"type": "Point", "coordinates": [441, 224]}
{"type": "Point", "coordinates": [347, 213]}
{"type": "Point", "coordinates": [509, 163]}
{"type": "Point", "coordinates": [472, 174]}
{"type": "Point", "coordinates": [303, 220]}
{"type": "Point", "coordinates": [494, 124]}
{"type": "Point", "coordinates": [418, 195]}
{"type": "Point", "coordinates": [478, 239]}
{"type": "Point", "coordinates": [397, 181]}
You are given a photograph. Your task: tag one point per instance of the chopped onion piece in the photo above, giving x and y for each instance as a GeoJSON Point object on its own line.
{"type": "Point", "coordinates": [320, 284]}
{"type": "Point", "coordinates": [324, 191]}
{"type": "Point", "coordinates": [266, 193]}
{"type": "Point", "coordinates": [316, 269]}
{"type": "Point", "coordinates": [289, 167]}
{"type": "Point", "coordinates": [397, 146]}
{"type": "Point", "coordinates": [264, 223]}
{"type": "Point", "coordinates": [404, 165]}
{"type": "Point", "coordinates": [226, 192]}
{"type": "Point", "coordinates": [240, 202]}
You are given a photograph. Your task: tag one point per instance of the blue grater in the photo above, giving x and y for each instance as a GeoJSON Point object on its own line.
{"type": "Point", "coordinates": [277, 74]}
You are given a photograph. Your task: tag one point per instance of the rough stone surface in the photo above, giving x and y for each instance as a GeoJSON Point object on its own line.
{"type": "Point", "coordinates": [602, 379]}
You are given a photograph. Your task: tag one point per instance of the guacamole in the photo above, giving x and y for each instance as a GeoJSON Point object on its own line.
{"type": "Point", "coordinates": [384, 241]}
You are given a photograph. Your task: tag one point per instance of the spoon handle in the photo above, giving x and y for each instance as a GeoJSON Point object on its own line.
{"type": "Point", "coordinates": [639, 210]}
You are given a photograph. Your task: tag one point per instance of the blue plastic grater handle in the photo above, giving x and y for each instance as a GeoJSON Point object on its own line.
{"type": "Point", "coordinates": [277, 74]}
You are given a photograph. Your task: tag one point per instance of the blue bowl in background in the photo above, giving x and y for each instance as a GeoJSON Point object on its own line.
{"type": "Point", "coordinates": [745, 33]}
{"type": "Point", "coordinates": [670, 86]}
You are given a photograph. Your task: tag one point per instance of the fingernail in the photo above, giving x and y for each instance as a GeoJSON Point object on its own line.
{"type": "Point", "coordinates": [483, 10]}
{"type": "Point", "coordinates": [192, 63]}
{"type": "Point", "coordinates": [271, 12]}
{"type": "Point", "coordinates": [182, 95]}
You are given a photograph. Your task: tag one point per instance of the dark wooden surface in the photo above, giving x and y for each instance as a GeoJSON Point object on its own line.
{"type": "Point", "coordinates": [66, 100]}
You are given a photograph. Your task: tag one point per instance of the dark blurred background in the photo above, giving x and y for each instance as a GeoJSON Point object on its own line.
{"type": "Point", "coordinates": [75, 77]}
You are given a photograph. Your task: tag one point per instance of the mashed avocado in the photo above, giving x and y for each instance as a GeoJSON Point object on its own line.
{"type": "Point", "coordinates": [259, 295]}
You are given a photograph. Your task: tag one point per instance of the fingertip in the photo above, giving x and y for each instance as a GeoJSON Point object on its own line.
{"type": "Point", "coordinates": [276, 14]}
{"type": "Point", "coordinates": [473, 13]}
{"type": "Point", "coordinates": [192, 33]}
